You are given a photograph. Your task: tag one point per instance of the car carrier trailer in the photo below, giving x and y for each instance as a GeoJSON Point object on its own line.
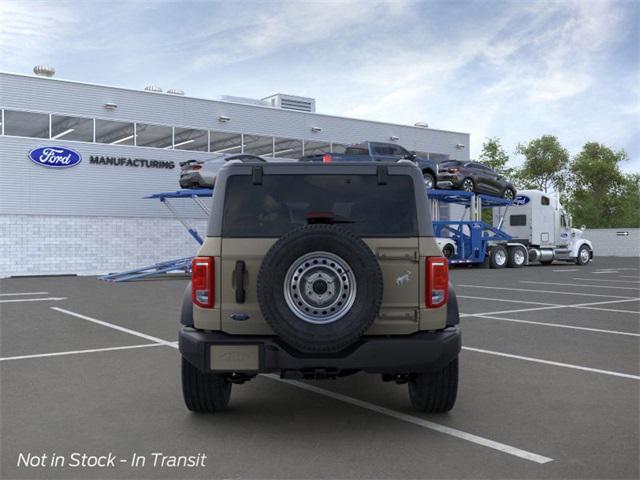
{"type": "Point", "coordinates": [532, 228]}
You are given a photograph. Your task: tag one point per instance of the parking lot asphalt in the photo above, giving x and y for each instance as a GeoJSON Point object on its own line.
{"type": "Point", "coordinates": [549, 387]}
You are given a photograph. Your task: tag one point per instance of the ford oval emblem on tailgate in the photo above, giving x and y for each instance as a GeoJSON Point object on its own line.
{"type": "Point", "coordinates": [240, 317]}
{"type": "Point", "coordinates": [55, 157]}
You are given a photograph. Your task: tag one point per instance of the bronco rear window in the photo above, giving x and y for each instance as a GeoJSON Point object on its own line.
{"type": "Point", "coordinates": [284, 202]}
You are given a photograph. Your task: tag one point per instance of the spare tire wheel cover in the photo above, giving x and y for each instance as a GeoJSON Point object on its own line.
{"type": "Point", "coordinates": [320, 288]}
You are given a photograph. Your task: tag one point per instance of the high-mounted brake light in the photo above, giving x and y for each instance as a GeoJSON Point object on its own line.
{"type": "Point", "coordinates": [437, 281]}
{"type": "Point", "coordinates": [203, 282]}
{"type": "Point", "coordinates": [327, 158]}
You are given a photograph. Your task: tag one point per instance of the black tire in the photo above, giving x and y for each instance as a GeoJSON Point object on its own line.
{"type": "Point", "coordinates": [435, 392]}
{"type": "Point", "coordinates": [448, 251]}
{"type": "Point", "coordinates": [204, 392]}
{"type": "Point", "coordinates": [498, 256]}
{"type": "Point", "coordinates": [289, 326]}
{"type": "Point", "coordinates": [508, 194]}
{"type": "Point", "coordinates": [429, 180]}
{"type": "Point", "coordinates": [517, 257]}
{"type": "Point", "coordinates": [468, 185]}
{"type": "Point", "coordinates": [584, 255]}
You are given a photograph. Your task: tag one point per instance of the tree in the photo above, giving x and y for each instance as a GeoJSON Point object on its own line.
{"type": "Point", "coordinates": [494, 156]}
{"type": "Point", "coordinates": [545, 164]}
{"type": "Point", "coordinates": [601, 195]}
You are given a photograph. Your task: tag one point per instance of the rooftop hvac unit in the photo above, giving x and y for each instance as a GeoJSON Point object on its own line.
{"type": "Point", "coordinates": [175, 91]}
{"type": "Point", "coordinates": [153, 88]}
{"type": "Point", "coordinates": [44, 71]}
{"type": "Point", "coordinates": [291, 102]}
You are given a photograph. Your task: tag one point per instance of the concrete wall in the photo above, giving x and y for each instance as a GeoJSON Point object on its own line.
{"type": "Point", "coordinates": [50, 245]}
{"type": "Point", "coordinates": [612, 241]}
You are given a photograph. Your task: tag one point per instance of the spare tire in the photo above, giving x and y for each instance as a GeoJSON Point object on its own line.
{"type": "Point", "coordinates": [320, 288]}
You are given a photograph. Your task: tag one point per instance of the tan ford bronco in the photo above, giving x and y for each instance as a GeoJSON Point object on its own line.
{"type": "Point", "coordinates": [315, 271]}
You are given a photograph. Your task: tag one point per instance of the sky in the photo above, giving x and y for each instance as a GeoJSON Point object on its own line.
{"type": "Point", "coordinates": [509, 69]}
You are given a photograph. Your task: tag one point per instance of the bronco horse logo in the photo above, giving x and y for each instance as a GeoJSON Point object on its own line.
{"type": "Point", "coordinates": [403, 279]}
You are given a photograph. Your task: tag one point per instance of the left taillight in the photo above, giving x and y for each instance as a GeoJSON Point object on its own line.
{"type": "Point", "coordinates": [203, 282]}
{"type": "Point", "coordinates": [437, 281]}
{"type": "Point", "coordinates": [327, 158]}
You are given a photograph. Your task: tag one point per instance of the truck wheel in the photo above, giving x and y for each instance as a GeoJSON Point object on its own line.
{"type": "Point", "coordinates": [517, 257]}
{"type": "Point", "coordinates": [320, 288]}
{"type": "Point", "coordinates": [498, 256]}
{"type": "Point", "coordinates": [204, 392]}
{"type": "Point", "coordinates": [429, 181]}
{"type": "Point", "coordinates": [508, 194]}
{"type": "Point", "coordinates": [435, 392]}
{"type": "Point", "coordinates": [584, 255]}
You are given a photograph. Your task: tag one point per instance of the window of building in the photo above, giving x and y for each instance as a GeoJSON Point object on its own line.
{"type": "Point", "coordinates": [438, 157]}
{"type": "Point", "coordinates": [157, 136]}
{"type": "Point", "coordinates": [191, 139]}
{"type": "Point", "coordinates": [316, 148]}
{"type": "Point", "coordinates": [338, 147]}
{"type": "Point", "coordinates": [518, 220]}
{"type": "Point", "coordinates": [258, 145]}
{"type": "Point", "coordinates": [287, 148]}
{"type": "Point", "coordinates": [26, 124]}
{"type": "Point", "coordinates": [71, 128]}
{"type": "Point", "coordinates": [114, 133]}
{"type": "Point", "coordinates": [224, 142]}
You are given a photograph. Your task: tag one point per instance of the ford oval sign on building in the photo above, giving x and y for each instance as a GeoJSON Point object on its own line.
{"type": "Point", "coordinates": [55, 157]}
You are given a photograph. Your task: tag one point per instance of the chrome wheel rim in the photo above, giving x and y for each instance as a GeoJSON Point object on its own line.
{"type": "Point", "coordinates": [467, 185]}
{"type": "Point", "coordinates": [500, 257]}
{"type": "Point", "coordinates": [518, 256]}
{"type": "Point", "coordinates": [584, 255]}
{"type": "Point", "coordinates": [428, 182]}
{"type": "Point", "coordinates": [319, 287]}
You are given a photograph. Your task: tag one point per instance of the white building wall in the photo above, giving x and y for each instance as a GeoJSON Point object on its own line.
{"type": "Point", "coordinates": [612, 242]}
{"type": "Point", "coordinates": [55, 245]}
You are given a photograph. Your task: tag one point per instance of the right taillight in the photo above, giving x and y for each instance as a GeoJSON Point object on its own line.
{"type": "Point", "coordinates": [203, 282]}
{"type": "Point", "coordinates": [327, 158]}
{"type": "Point", "coordinates": [437, 281]}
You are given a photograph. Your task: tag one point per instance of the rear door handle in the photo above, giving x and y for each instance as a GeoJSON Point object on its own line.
{"type": "Point", "coordinates": [239, 277]}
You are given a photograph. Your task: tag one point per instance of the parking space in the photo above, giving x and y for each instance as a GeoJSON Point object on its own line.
{"type": "Point", "coordinates": [549, 382]}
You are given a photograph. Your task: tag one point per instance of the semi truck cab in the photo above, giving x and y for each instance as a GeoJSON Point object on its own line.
{"type": "Point", "coordinates": [538, 221]}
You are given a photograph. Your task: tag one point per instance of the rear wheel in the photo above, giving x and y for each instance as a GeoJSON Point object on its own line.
{"type": "Point", "coordinates": [204, 392]}
{"type": "Point", "coordinates": [448, 251]}
{"type": "Point", "coordinates": [498, 257]}
{"type": "Point", "coordinates": [429, 181]}
{"type": "Point", "coordinates": [435, 392]}
{"type": "Point", "coordinates": [517, 257]}
{"type": "Point", "coordinates": [468, 185]}
{"type": "Point", "coordinates": [508, 194]}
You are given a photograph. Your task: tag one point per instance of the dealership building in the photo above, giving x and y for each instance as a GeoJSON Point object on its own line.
{"type": "Point", "coordinates": [91, 217]}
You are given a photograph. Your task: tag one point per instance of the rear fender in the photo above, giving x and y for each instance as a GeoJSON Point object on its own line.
{"type": "Point", "coordinates": [186, 312]}
{"type": "Point", "coordinates": [453, 313]}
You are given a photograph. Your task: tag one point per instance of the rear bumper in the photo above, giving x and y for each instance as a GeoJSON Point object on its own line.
{"type": "Point", "coordinates": [420, 352]}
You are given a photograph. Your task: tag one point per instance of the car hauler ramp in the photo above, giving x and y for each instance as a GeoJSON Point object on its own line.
{"type": "Point", "coordinates": [178, 264]}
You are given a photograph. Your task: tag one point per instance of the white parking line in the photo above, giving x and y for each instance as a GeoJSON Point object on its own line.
{"type": "Point", "coordinates": [531, 290]}
{"type": "Point", "coordinates": [555, 364]}
{"type": "Point", "coordinates": [23, 293]}
{"type": "Point", "coordinates": [75, 352]}
{"type": "Point", "coordinates": [604, 280]}
{"type": "Point", "coordinates": [517, 452]}
{"type": "Point", "coordinates": [581, 285]}
{"type": "Point", "coordinates": [19, 300]}
{"type": "Point", "coordinates": [566, 270]}
{"type": "Point", "coordinates": [558, 325]}
{"type": "Point", "coordinates": [509, 301]}
{"type": "Point", "coordinates": [551, 306]}
{"type": "Point", "coordinates": [116, 327]}
{"type": "Point", "coordinates": [628, 276]}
